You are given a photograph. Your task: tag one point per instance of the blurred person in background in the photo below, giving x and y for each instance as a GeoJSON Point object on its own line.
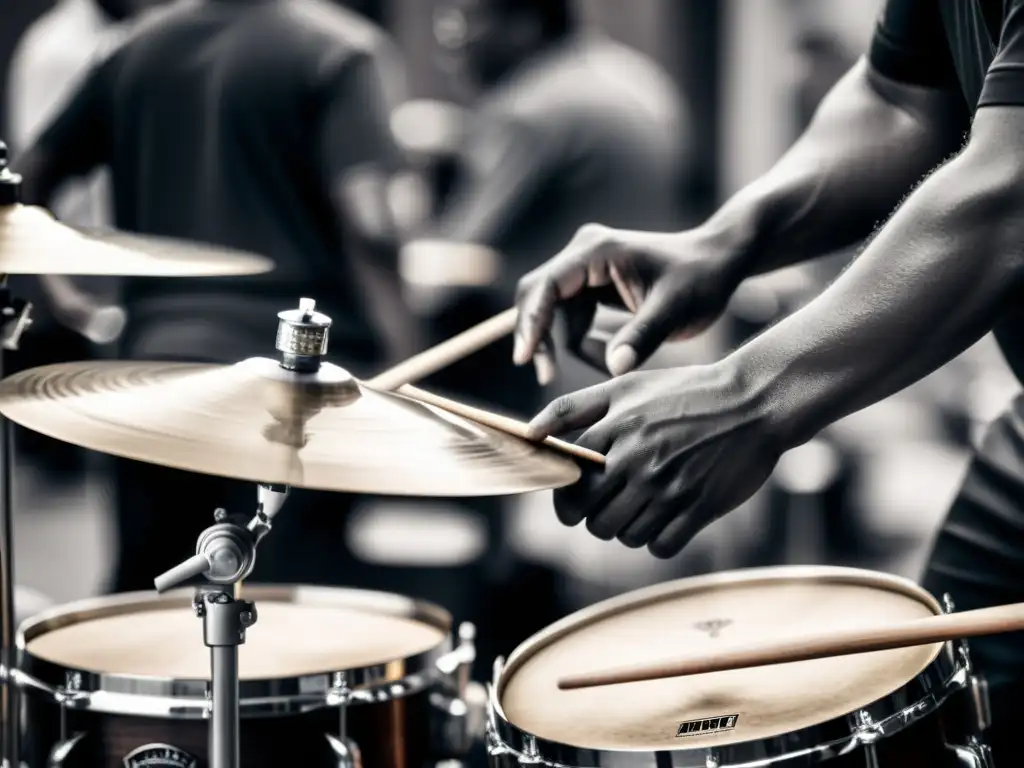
{"type": "Point", "coordinates": [565, 126]}
{"type": "Point", "coordinates": [254, 124]}
{"type": "Point", "coordinates": [686, 446]}
{"type": "Point", "coordinates": [51, 57]}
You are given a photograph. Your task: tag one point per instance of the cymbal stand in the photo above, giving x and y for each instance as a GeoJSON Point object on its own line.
{"type": "Point", "coordinates": [226, 554]}
{"type": "Point", "coordinates": [15, 318]}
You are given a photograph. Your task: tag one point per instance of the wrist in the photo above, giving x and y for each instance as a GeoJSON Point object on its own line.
{"type": "Point", "coordinates": [727, 248]}
{"type": "Point", "coordinates": [783, 402]}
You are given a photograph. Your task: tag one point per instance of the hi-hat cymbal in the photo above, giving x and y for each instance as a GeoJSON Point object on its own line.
{"type": "Point", "coordinates": [257, 421]}
{"type": "Point", "coordinates": [33, 242]}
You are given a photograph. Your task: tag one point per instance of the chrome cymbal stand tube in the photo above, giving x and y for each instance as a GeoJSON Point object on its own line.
{"type": "Point", "coordinates": [226, 554]}
{"type": "Point", "coordinates": [14, 319]}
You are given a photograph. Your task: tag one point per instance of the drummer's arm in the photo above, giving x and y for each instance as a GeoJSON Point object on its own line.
{"type": "Point", "coordinates": [74, 144]}
{"type": "Point", "coordinates": [933, 281]}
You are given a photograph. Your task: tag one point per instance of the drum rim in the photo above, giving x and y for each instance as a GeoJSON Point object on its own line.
{"type": "Point", "coordinates": [926, 692]}
{"type": "Point", "coordinates": [159, 696]}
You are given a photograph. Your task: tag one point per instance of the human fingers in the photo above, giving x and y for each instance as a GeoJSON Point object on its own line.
{"type": "Point", "coordinates": [576, 410]}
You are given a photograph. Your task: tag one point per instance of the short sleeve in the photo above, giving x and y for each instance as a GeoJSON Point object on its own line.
{"type": "Point", "coordinates": [910, 45]}
{"type": "Point", "coordinates": [1004, 83]}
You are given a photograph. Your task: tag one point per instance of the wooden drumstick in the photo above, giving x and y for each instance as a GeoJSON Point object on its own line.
{"type": "Point", "coordinates": [497, 421]}
{"type": "Point", "coordinates": [439, 357]}
{"type": "Point", "coordinates": [934, 629]}
{"type": "Point", "coordinates": [436, 358]}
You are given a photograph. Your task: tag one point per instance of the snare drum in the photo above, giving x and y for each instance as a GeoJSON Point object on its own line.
{"type": "Point", "coordinates": [326, 676]}
{"type": "Point", "coordinates": [890, 709]}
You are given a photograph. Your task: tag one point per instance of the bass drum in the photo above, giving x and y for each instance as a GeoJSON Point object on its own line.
{"type": "Point", "coordinates": [905, 708]}
{"type": "Point", "coordinates": [328, 677]}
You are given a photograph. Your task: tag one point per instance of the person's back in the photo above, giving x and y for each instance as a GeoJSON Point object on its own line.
{"type": "Point", "coordinates": [612, 131]}
{"type": "Point", "coordinates": [217, 113]}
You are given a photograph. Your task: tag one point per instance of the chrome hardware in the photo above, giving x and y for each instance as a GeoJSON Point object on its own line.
{"type": "Point", "coordinates": [17, 318]}
{"type": "Point", "coordinates": [461, 705]}
{"type": "Point", "coordinates": [302, 336]}
{"type": "Point", "coordinates": [979, 698]}
{"type": "Point", "coordinates": [973, 755]}
{"type": "Point", "coordinates": [63, 750]}
{"type": "Point", "coordinates": [346, 752]}
{"type": "Point", "coordinates": [866, 729]}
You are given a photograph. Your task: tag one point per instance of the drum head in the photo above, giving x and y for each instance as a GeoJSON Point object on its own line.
{"type": "Point", "coordinates": [705, 615]}
{"type": "Point", "coordinates": [302, 632]}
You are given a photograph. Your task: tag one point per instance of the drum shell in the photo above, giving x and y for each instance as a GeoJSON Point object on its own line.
{"type": "Point", "coordinates": [389, 734]}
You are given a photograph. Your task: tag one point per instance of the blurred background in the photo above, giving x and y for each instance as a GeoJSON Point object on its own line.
{"type": "Point", "coordinates": [747, 75]}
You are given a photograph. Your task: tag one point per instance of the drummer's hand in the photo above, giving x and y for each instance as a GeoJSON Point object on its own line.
{"type": "Point", "coordinates": [684, 446]}
{"type": "Point", "coordinates": [676, 284]}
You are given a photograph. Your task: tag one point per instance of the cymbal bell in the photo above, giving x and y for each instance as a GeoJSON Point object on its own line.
{"type": "Point", "coordinates": [33, 242]}
{"type": "Point", "coordinates": [257, 421]}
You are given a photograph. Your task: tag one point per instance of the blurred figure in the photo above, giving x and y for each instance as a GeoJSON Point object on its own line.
{"type": "Point", "coordinates": [568, 127]}
{"type": "Point", "coordinates": [254, 124]}
{"type": "Point", "coordinates": [50, 59]}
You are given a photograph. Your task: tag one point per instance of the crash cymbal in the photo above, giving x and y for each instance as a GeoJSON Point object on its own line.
{"type": "Point", "coordinates": [260, 422]}
{"type": "Point", "coordinates": [33, 242]}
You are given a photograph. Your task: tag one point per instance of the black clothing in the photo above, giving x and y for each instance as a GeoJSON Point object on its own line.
{"type": "Point", "coordinates": [978, 560]}
{"type": "Point", "coordinates": [976, 47]}
{"type": "Point", "coordinates": [233, 124]}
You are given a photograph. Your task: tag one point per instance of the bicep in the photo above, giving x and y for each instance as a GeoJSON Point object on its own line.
{"type": "Point", "coordinates": [500, 170]}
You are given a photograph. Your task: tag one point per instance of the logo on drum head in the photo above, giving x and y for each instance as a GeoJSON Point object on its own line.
{"type": "Point", "coordinates": [160, 756]}
{"type": "Point", "coordinates": [708, 725]}
{"type": "Point", "coordinates": [713, 627]}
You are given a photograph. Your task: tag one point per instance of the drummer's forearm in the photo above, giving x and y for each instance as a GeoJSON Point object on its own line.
{"type": "Point", "coordinates": [931, 283]}
{"type": "Point", "coordinates": [870, 142]}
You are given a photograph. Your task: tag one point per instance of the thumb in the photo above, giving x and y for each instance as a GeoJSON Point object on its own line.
{"type": "Point", "coordinates": [577, 410]}
{"type": "Point", "coordinates": [654, 321]}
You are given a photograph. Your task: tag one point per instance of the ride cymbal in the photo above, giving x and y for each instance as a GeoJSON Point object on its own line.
{"type": "Point", "coordinates": [33, 242]}
{"type": "Point", "coordinates": [258, 421]}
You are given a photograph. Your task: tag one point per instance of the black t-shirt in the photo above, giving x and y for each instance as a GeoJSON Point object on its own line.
{"type": "Point", "coordinates": [233, 123]}
{"type": "Point", "coordinates": [975, 47]}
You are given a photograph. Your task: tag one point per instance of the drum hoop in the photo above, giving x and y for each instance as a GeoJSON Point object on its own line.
{"type": "Point", "coordinates": [181, 698]}
{"type": "Point", "coordinates": [946, 673]}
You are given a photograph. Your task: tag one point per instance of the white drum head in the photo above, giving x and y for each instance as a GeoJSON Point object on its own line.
{"type": "Point", "coordinates": [288, 640]}
{"type": "Point", "coordinates": [705, 615]}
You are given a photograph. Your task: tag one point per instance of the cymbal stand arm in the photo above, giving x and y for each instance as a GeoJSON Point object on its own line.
{"type": "Point", "coordinates": [226, 554]}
